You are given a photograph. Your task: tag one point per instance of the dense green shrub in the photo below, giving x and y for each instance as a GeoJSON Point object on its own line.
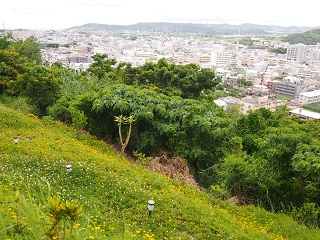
{"type": "Point", "coordinates": [307, 214]}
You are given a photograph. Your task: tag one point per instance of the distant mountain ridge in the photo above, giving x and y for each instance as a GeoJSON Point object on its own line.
{"type": "Point", "coordinates": [211, 29]}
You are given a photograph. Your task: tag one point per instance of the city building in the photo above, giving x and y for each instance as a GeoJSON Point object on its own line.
{"type": "Point", "coordinates": [297, 53]}
{"type": "Point", "coordinates": [221, 57]}
{"type": "Point", "coordinates": [251, 103]}
{"type": "Point", "coordinates": [265, 76]}
{"type": "Point", "coordinates": [289, 89]}
{"type": "Point", "coordinates": [309, 97]}
{"type": "Point", "coordinates": [258, 88]}
{"type": "Point", "coordinates": [81, 58]}
{"type": "Point", "coordinates": [271, 84]}
{"type": "Point", "coordinates": [304, 114]}
{"type": "Point", "coordinates": [204, 59]}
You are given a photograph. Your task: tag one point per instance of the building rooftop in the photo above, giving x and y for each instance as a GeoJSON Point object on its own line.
{"type": "Point", "coordinates": [231, 100]}
{"type": "Point", "coordinates": [220, 103]}
{"type": "Point", "coordinates": [305, 113]}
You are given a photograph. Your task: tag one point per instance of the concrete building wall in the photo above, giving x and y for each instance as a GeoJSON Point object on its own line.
{"type": "Point", "coordinates": [297, 53]}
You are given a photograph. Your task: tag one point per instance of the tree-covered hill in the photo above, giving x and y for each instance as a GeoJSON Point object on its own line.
{"type": "Point", "coordinates": [311, 37]}
{"type": "Point", "coordinates": [108, 194]}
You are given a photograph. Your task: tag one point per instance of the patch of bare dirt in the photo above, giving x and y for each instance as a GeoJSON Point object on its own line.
{"type": "Point", "coordinates": [174, 167]}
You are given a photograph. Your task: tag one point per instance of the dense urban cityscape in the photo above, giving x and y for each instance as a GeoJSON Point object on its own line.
{"type": "Point", "coordinates": [294, 74]}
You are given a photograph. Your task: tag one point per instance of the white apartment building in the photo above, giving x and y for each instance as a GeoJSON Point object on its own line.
{"type": "Point", "coordinates": [309, 97]}
{"type": "Point", "coordinates": [297, 53]}
{"type": "Point", "coordinates": [221, 58]}
{"type": "Point", "coordinates": [252, 73]}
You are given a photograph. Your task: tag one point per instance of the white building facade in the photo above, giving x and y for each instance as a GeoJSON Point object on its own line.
{"type": "Point", "coordinates": [297, 53]}
{"type": "Point", "coordinates": [309, 97]}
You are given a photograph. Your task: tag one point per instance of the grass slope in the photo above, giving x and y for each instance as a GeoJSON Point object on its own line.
{"type": "Point", "coordinates": [113, 192]}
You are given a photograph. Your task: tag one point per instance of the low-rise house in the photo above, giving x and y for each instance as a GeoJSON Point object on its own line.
{"type": "Point", "coordinates": [249, 103]}
{"type": "Point", "coordinates": [260, 88]}
{"type": "Point", "coordinates": [304, 114]}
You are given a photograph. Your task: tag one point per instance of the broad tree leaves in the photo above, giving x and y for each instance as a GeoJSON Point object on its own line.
{"type": "Point", "coordinates": [306, 160]}
{"type": "Point", "coordinates": [40, 85]}
{"type": "Point", "coordinates": [284, 150]}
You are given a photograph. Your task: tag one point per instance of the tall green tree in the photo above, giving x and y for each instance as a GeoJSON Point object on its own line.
{"type": "Point", "coordinates": [188, 81]}
{"type": "Point", "coordinates": [5, 41]}
{"type": "Point", "coordinates": [40, 85]}
{"type": "Point", "coordinates": [30, 49]}
{"type": "Point", "coordinates": [11, 66]}
{"type": "Point", "coordinates": [101, 65]}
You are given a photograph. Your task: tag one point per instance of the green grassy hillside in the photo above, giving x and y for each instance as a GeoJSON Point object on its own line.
{"type": "Point", "coordinates": [113, 193]}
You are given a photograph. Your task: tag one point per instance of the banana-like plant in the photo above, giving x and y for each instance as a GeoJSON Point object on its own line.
{"type": "Point", "coordinates": [124, 120]}
{"type": "Point", "coordinates": [62, 211]}
{"type": "Point", "coordinates": [72, 212]}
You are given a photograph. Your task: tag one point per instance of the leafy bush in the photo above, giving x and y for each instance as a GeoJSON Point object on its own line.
{"type": "Point", "coordinates": [307, 214]}
{"type": "Point", "coordinates": [17, 103]}
{"type": "Point", "coordinates": [218, 192]}
{"type": "Point", "coordinates": [141, 159]}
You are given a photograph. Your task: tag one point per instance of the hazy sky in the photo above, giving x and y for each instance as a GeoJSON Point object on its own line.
{"type": "Point", "coordinates": [62, 14]}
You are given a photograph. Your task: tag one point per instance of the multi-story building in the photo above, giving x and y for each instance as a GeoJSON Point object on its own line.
{"type": "Point", "coordinates": [179, 58]}
{"type": "Point", "coordinates": [204, 59]}
{"type": "Point", "coordinates": [297, 53]}
{"type": "Point", "coordinates": [81, 58]}
{"type": "Point", "coordinates": [221, 58]}
{"type": "Point", "coordinates": [309, 97]}
{"type": "Point", "coordinates": [288, 89]}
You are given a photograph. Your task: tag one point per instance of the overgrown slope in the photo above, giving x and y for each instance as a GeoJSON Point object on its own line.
{"type": "Point", "coordinates": [113, 192]}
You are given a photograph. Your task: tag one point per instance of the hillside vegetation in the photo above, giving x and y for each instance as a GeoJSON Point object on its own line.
{"type": "Point", "coordinates": [311, 37]}
{"type": "Point", "coordinates": [112, 191]}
